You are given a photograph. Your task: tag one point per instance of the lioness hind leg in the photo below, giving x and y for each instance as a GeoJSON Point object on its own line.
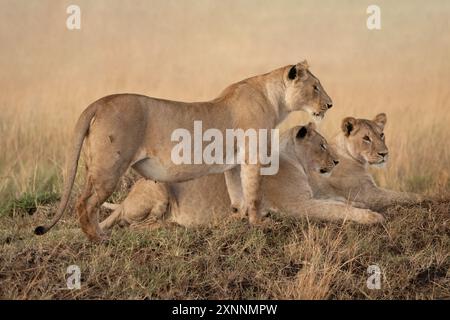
{"type": "Point", "coordinates": [87, 209]}
{"type": "Point", "coordinates": [98, 188]}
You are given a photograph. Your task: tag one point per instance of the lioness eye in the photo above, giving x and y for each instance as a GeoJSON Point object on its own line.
{"type": "Point", "coordinates": [382, 135]}
{"type": "Point", "coordinates": [316, 88]}
{"type": "Point", "coordinates": [366, 138]}
{"type": "Point", "coordinates": [323, 146]}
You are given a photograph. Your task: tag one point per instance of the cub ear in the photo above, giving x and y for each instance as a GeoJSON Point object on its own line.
{"type": "Point", "coordinates": [380, 120]}
{"type": "Point", "coordinates": [302, 132]}
{"type": "Point", "coordinates": [348, 124]}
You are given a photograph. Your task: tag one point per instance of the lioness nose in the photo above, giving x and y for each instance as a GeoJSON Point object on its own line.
{"type": "Point", "coordinates": [329, 105]}
{"type": "Point", "coordinates": [336, 162]}
{"type": "Point", "coordinates": [383, 154]}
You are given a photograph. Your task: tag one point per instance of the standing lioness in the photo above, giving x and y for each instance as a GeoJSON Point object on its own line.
{"type": "Point", "coordinates": [133, 130]}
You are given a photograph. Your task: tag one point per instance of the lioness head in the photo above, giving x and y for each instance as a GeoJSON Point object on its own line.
{"type": "Point", "coordinates": [364, 139]}
{"type": "Point", "coordinates": [305, 92]}
{"type": "Point", "coordinates": [312, 150]}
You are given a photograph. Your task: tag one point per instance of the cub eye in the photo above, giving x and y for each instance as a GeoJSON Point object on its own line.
{"type": "Point", "coordinates": [382, 135]}
{"type": "Point", "coordinates": [366, 138]}
{"type": "Point", "coordinates": [316, 88]}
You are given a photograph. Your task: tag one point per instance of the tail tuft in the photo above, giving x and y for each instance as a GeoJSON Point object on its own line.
{"type": "Point", "coordinates": [40, 230]}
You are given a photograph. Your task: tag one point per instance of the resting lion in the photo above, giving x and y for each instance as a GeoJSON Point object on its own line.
{"type": "Point", "coordinates": [360, 144]}
{"type": "Point", "coordinates": [126, 130]}
{"type": "Point", "coordinates": [205, 199]}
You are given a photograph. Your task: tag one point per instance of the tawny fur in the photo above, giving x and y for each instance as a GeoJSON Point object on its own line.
{"type": "Point", "coordinates": [360, 144]}
{"type": "Point", "coordinates": [205, 200]}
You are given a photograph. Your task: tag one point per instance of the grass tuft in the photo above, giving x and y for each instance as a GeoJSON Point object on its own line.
{"type": "Point", "coordinates": [28, 203]}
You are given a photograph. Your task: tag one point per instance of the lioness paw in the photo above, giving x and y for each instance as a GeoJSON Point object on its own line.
{"type": "Point", "coordinates": [374, 217]}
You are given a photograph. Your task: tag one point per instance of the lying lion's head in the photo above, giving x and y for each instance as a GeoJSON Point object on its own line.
{"type": "Point", "coordinates": [312, 150]}
{"type": "Point", "coordinates": [305, 92]}
{"type": "Point", "coordinates": [364, 139]}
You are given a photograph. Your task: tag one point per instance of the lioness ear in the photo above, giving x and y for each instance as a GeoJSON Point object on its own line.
{"type": "Point", "coordinates": [348, 124]}
{"type": "Point", "coordinates": [312, 126]}
{"type": "Point", "coordinates": [380, 120]}
{"type": "Point", "coordinates": [302, 70]}
{"type": "Point", "coordinates": [292, 73]}
{"type": "Point", "coordinates": [302, 132]}
{"type": "Point", "coordinates": [304, 64]}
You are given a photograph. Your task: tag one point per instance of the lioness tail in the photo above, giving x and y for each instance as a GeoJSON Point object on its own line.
{"type": "Point", "coordinates": [80, 132]}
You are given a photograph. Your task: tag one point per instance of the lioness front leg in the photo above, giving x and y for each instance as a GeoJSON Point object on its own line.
{"type": "Point", "coordinates": [332, 210]}
{"type": "Point", "coordinates": [379, 198]}
{"type": "Point", "coordinates": [234, 187]}
{"type": "Point", "coordinates": [251, 183]}
{"type": "Point", "coordinates": [356, 204]}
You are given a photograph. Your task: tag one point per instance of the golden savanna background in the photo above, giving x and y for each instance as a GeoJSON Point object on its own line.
{"type": "Point", "coordinates": [191, 50]}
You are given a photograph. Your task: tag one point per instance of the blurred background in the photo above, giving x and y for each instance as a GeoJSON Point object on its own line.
{"type": "Point", "coordinates": [191, 50]}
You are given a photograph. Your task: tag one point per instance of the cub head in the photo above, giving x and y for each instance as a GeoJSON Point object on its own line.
{"type": "Point", "coordinates": [312, 150]}
{"type": "Point", "coordinates": [305, 92]}
{"type": "Point", "coordinates": [364, 139]}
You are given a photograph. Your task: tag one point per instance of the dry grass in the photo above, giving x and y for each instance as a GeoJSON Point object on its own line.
{"type": "Point", "coordinates": [183, 51]}
{"type": "Point", "coordinates": [290, 260]}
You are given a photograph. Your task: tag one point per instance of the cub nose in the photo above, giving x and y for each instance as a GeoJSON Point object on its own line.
{"type": "Point", "coordinates": [383, 154]}
{"type": "Point", "coordinates": [336, 162]}
{"type": "Point", "coordinates": [329, 105]}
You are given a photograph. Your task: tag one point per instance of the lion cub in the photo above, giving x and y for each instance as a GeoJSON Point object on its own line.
{"type": "Point", "coordinates": [204, 200]}
{"type": "Point", "coordinates": [360, 144]}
